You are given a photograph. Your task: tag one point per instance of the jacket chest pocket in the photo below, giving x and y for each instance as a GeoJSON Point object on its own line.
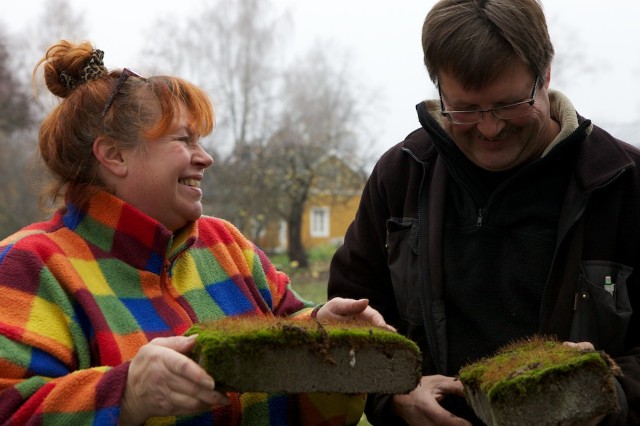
{"type": "Point", "coordinates": [602, 309]}
{"type": "Point", "coordinates": [402, 251]}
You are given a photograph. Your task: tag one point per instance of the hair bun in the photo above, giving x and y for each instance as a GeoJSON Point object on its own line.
{"type": "Point", "coordinates": [93, 70]}
{"type": "Point", "coordinates": [67, 65]}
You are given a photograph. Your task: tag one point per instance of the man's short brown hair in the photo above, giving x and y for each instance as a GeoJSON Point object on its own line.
{"type": "Point", "coordinates": [475, 40]}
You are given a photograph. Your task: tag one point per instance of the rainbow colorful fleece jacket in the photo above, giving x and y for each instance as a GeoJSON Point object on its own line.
{"type": "Point", "coordinates": [82, 292]}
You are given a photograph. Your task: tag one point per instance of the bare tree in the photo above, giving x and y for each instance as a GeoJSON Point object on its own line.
{"type": "Point", "coordinates": [229, 49]}
{"type": "Point", "coordinates": [317, 121]}
{"type": "Point", "coordinates": [18, 197]}
{"type": "Point", "coordinates": [57, 20]}
{"type": "Point", "coordinates": [20, 170]}
{"type": "Point", "coordinates": [18, 203]}
{"type": "Point", "coordinates": [14, 101]}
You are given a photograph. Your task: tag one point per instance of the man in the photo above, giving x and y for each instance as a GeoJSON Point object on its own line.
{"type": "Point", "coordinates": [501, 218]}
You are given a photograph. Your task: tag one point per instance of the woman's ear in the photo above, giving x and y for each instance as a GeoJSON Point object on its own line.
{"type": "Point", "coordinates": [109, 155]}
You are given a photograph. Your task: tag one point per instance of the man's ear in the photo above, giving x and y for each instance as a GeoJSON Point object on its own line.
{"type": "Point", "coordinates": [547, 78]}
{"type": "Point", "coordinates": [110, 156]}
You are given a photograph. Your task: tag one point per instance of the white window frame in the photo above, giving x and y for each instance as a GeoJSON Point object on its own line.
{"type": "Point", "coordinates": [319, 225]}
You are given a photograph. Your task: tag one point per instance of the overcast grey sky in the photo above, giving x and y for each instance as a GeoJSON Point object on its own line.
{"type": "Point", "coordinates": [383, 40]}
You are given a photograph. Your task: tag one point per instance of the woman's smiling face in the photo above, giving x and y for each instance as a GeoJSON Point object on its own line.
{"type": "Point", "coordinates": [164, 175]}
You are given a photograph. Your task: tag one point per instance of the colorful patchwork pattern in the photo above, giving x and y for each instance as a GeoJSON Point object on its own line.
{"type": "Point", "coordinates": [82, 292]}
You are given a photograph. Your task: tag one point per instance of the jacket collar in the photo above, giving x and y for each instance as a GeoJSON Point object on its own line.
{"type": "Point", "coordinates": [117, 229]}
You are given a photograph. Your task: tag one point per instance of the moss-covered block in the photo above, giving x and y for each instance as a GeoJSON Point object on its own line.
{"type": "Point", "coordinates": [293, 356]}
{"type": "Point", "coordinates": [541, 382]}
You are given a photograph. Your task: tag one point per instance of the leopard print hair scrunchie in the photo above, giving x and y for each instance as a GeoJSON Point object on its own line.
{"type": "Point", "coordinates": [93, 70]}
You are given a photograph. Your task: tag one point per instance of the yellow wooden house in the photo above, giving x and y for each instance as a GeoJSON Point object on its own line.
{"type": "Point", "coordinates": [328, 211]}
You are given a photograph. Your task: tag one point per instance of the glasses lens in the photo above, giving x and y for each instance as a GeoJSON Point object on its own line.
{"type": "Point", "coordinates": [464, 117]}
{"type": "Point", "coordinates": [513, 111]}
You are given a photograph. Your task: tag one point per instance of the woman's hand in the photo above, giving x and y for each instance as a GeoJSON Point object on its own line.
{"type": "Point", "coordinates": [348, 309]}
{"type": "Point", "coordinates": [162, 381]}
{"type": "Point", "coordinates": [422, 405]}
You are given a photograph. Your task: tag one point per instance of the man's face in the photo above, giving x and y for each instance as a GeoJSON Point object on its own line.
{"type": "Point", "coordinates": [497, 144]}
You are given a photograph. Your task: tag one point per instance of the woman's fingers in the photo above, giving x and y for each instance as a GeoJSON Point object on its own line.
{"type": "Point", "coordinates": [163, 381]}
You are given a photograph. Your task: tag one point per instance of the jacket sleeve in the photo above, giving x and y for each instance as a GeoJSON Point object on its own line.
{"type": "Point", "coordinates": [359, 269]}
{"type": "Point", "coordinates": [270, 288]}
{"type": "Point", "coordinates": [45, 371]}
{"type": "Point", "coordinates": [628, 384]}
{"type": "Point", "coordinates": [285, 301]}
{"type": "Point", "coordinates": [612, 234]}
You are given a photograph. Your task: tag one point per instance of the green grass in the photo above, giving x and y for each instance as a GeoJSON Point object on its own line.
{"type": "Point", "coordinates": [313, 291]}
{"type": "Point", "coordinates": [310, 283]}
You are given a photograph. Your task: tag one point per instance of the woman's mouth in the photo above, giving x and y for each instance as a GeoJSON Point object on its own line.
{"type": "Point", "coordinates": [195, 183]}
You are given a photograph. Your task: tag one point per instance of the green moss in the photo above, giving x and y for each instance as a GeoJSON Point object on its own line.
{"type": "Point", "coordinates": [519, 368]}
{"type": "Point", "coordinates": [231, 337]}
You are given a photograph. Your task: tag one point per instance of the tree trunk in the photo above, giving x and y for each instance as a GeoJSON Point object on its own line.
{"type": "Point", "coordinates": [297, 252]}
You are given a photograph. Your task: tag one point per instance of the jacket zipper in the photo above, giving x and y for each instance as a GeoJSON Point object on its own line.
{"type": "Point", "coordinates": [482, 211]}
{"type": "Point", "coordinates": [430, 344]}
{"type": "Point", "coordinates": [479, 221]}
{"type": "Point", "coordinates": [168, 296]}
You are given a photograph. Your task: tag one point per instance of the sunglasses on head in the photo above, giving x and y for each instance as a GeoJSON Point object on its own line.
{"type": "Point", "coordinates": [124, 76]}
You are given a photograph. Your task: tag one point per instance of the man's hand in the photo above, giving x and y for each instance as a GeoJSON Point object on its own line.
{"type": "Point", "coordinates": [346, 309]}
{"type": "Point", "coordinates": [422, 405]}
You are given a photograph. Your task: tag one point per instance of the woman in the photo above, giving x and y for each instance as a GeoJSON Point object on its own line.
{"type": "Point", "coordinates": [96, 299]}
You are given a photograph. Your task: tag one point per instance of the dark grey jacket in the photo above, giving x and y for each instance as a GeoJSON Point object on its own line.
{"type": "Point", "coordinates": [392, 254]}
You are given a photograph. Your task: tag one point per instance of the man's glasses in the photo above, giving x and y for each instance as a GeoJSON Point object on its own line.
{"type": "Point", "coordinates": [124, 76]}
{"type": "Point", "coordinates": [505, 112]}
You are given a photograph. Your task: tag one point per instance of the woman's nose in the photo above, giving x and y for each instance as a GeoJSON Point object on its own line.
{"type": "Point", "coordinates": [202, 157]}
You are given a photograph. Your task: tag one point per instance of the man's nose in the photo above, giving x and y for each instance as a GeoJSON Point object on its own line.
{"type": "Point", "coordinates": [490, 125]}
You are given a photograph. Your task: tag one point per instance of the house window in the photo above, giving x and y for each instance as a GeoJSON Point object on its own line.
{"type": "Point", "coordinates": [319, 222]}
